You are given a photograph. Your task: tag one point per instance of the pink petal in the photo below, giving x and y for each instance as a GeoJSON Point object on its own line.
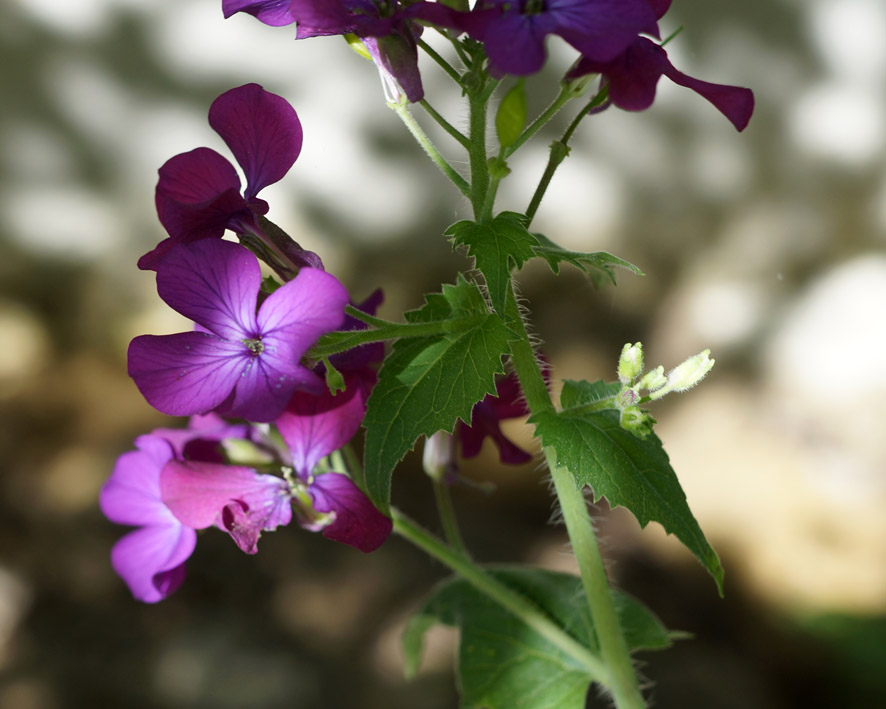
{"type": "Point", "coordinates": [151, 560]}
{"type": "Point", "coordinates": [315, 426]}
{"type": "Point", "coordinates": [214, 283]}
{"type": "Point", "coordinates": [261, 129]}
{"type": "Point", "coordinates": [132, 493]}
{"type": "Point", "coordinates": [357, 522]}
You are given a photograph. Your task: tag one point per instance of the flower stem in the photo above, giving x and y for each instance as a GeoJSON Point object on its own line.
{"type": "Point", "coordinates": [613, 646]}
{"type": "Point", "coordinates": [446, 125]}
{"type": "Point", "coordinates": [402, 110]}
{"type": "Point", "coordinates": [477, 103]}
{"type": "Point", "coordinates": [509, 599]}
{"type": "Point", "coordinates": [563, 97]}
{"type": "Point", "coordinates": [446, 512]}
{"type": "Point", "coordinates": [445, 65]}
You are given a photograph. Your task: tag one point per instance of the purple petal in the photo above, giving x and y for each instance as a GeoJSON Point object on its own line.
{"type": "Point", "coordinates": [201, 440]}
{"type": "Point", "coordinates": [317, 18]}
{"type": "Point", "coordinates": [357, 522]}
{"type": "Point", "coordinates": [272, 12]}
{"type": "Point", "coordinates": [238, 499]}
{"type": "Point", "coordinates": [187, 373]}
{"type": "Point", "coordinates": [151, 560]}
{"type": "Point", "coordinates": [132, 493]}
{"type": "Point", "coordinates": [734, 102]}
{"type": "Point", "coordinates": [261, 129]}
{"type": "Point", "coordinates": [214, 283]}
{"type": "Point", "coordinates": [396, 56]}
{"type": "Point", "coordinates": [315, 426]}
{"type": "Point", "coordinates": [196, 194]}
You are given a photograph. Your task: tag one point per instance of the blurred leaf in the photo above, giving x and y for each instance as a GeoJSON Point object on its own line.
{"type": "Point", "coordinates": [510, 119]}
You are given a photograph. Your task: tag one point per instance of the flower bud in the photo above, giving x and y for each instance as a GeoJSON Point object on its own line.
{"type": "Point", "coordinates": [636, 421]}
{"type": "Point", "coordinates": [686, 375]}
{"type": "Point", "coordinates": [438, 457]}
{"type": "Point", "coordinates": [653, 379]}
{"type": "Point", "coordinates": [630, 364]}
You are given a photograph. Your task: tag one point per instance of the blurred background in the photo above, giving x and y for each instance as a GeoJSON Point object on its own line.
{"type": "Point", "coordinates": [767, 247]}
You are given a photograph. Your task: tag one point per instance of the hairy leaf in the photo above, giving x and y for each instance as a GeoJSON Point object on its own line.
{"type": "Point", "coordinates": [599, 265]}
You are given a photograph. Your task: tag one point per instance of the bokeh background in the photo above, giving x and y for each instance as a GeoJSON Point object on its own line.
{"type": "Point", "coordinates": [767, 247]}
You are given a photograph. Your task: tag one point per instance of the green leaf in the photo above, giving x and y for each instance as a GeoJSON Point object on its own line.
{"type": "Point", "coordinates": [510, 119]}
{"type": "Point", "coordinates": [502, 663]}
{"type": "Point", "coordinates": [427, 383]}
{"type": "Point", "coordinates": [497, 247]}
{"type": "Point", "coordinates": [599, 265]}
{"type": "Point", "coordinates": [626, 470]}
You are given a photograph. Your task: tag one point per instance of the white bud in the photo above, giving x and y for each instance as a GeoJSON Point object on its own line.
{"type": "Point", "coordinates": [438, 456]}
{"type": "Point", "coordinates": [686, 375]}
{"type": "Point", "coordinates": [630, 364]}
{"type": "Point", "coordinates": [653, 379]}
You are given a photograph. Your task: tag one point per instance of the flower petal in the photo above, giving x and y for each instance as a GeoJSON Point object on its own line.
{"type": "Point", "coordinates": [261, 129]}
{"type": "Point", "coordinates": [132, 493]}
{"type": "Point", "coordinates": [315, 426]}
{"type": "Point", "coordinates": [357, 522]}
{"type": "Point", "coordinates": [272, 12]}
{"type": "Point", "coordinates": [235, 498]}
{"type": "Point", "coordinates": [214, 283]}
{"type": "Point", "coordinates": [187, 373]}
{"type": "Point", "coordinates": [151, 560]}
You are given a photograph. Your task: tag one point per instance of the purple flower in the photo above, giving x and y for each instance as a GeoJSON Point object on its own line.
{"type": "Point", "coordinates": [240, 362]}
{"type": "Point", "coordinates": [315, 426]}
{"type": "Point", "coordinates": [486, 420]}
{"type": "Point", "coordinates": [632, 78]}
{"type": "Point", "coordinates": [514, 31]}
{"type": "Point", "coordinates": [151, 559]}
{"type": "Point", "coordinates": [202, 439]}
{"type": "Point", "coordinates": [233, 498]}
{"type": "Point", "coordinates": [199, 195]}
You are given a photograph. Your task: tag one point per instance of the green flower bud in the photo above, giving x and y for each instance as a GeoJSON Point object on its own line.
{"type": "Point", "coordinates": [630, 364]}
{"type": "Point", "coordinates": [686, 375]}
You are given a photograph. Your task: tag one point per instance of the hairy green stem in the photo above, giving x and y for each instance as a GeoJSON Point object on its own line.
{"type": "Point", "coordinates": [402, 110]}
{"type": "Point", "coordinates": [437, 57]}
{"type": "Point", "coordinates": [563, 97]}
{"type": "Point", "coordinates": [446, 512]}
{"type": "Point", "coordinates": [446, 125]}
{"type": "Point", "coordinates": [613, 647]}
{"type": "Point", "coordinates": [477, 103]}
{"type": "Point", "coordinates": [512, 601]}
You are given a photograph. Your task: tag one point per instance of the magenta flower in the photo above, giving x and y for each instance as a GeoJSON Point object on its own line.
{"type": "Point", "coordinates": [632, 78]}
{"type": "Point", "coordinates": [151, 559]}
{"type": "Point", "coordinates": [199, 195]}
{"type": "Point", "coordinates": [239, 362]}
{"type": "Point", "coordinates": [315, 426]}
{"type": "Point", "coordinates": [486, 419]}
{"type": "Point", "coordinates": [514, 31]}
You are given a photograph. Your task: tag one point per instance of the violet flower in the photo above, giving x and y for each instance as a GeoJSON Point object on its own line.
{"type": "Point", "coordinates": [514, 31]}
{"type": "Point", "coordinates": [198, 194]}
{"type": "Point", "coordinates": [240, 362]}
{"type": "Point", "coordinates": [151, 559]}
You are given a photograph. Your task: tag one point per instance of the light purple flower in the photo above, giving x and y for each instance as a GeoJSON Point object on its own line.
{"type": "Point", "coordinates": [240, 363]}
{"type": "Point", "coordinates": [514, 31]}
{"type": "Point", "coordinates": [151, 559]}
{"type": "Point", "coordinates": [198, 194]}
{"type": "Point", "coordinates": [632, 78]}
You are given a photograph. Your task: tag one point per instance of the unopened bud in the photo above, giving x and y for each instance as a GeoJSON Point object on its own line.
{"type": "Point", "coordinates": [438, 457]}
{"type": "Point", "coordinates": [630, 364]}
{"type": "Point", "coordinates": [653, 379]}
{"type": "Point", "coordinates": [637, 421]}
{"type": "Point", "coordinates": [686, 375]}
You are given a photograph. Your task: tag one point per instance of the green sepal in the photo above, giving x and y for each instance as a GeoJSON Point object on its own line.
{"type": "Point", "coordinates": [628, 471]}
{"type": "Point", "coordinates": [510, 119]}
{"type": "Point", "coordinates": [335, 382]}
{"type": "Point", "coordinates": [497, 246]}
{"type": "Point", "coordinates": [502, 663]}
{"type": "Point", "coordinates": [427, 384]}
{"type": "Point", "coordinates": [599, 265]}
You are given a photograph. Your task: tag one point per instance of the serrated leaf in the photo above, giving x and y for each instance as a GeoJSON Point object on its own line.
{"type": "Point", "coordinates": [599, 265]}
{"type": "Point", "coordinates": [497, 247]}
{"type": "Point", "coordinates": [427, 383]}
{"type": "Point", "coordinates": [626, 470]}
{"type": "Point", "coordinates": [510, 119]}
{"type": "Point", "coordinates": [502, 663]}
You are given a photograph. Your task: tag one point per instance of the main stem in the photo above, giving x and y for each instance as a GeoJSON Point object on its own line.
{"type": "Point", "coordinates": [613, 647]}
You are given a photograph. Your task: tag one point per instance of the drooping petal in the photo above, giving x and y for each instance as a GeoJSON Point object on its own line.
{"type": "Point", "coordinates": [396, 56]}
{"type": "Point", "coordinates": [734, 102]}
{"type": "Point", "coordinates": [214, 283]}
{"type": "Point", "coordinates": [315, 426]}
{"type": "Point", "coordinates": [272, 12]}
{"type": "Point", "coordinates": [261, 129]}
{"type": "Point", "coordinates": [196, 194]}
{"type": "Point", "coordinates": [132, 493]}
{"type": "Point", "coordinates": [234, 498]}
{"type": "Point", "coordinates": [187, 373]}
{"type": "Point", "coordinates": [357, 522]}
{"type": "Point", "coordinates": [151, 559]}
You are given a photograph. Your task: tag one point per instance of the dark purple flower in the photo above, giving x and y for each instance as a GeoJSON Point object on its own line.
{"type": "Point", "coordinates": [514, 31]}
{"type": "Point", "coordinates": [199, 195]}
{"type": "Point", "coordinates": [632, 78]}
{"type": "Point", "coordinates": [275, 13]}
{"type": "Point", "coordinates": [240, 362]}
{"type": "Point", "coordinates": [486, 420]}
{"type": "Point", "coordinates": [237, 499]}
{"type": "Point", "coordinates": [151, 559]}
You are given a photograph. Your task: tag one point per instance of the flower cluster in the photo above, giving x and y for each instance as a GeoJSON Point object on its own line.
{"type": "Point", "coordinates": [244, 359]}
{"type": "Point", "coordinates": [606, 33]}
